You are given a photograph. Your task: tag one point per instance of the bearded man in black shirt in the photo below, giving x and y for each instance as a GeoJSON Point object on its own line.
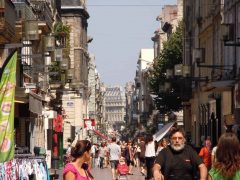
{"type": "Point", "coordinates": [178, 161]}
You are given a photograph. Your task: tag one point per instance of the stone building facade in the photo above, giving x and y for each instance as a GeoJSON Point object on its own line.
{"type": "Point", "coordinates": [129, 89]}
{"type": "Point", "coordinates": [211, 50]}
{"type": "Point", "coordinates": [142, 100]}
{"type": "Point", "coordinates": [115, 104]}
{"type": "Point", "coordinates": [75, 15]}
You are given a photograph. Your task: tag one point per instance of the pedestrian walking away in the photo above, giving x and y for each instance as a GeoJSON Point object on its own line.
{"type": "Point", "coordinates": [114, 153]}
{"type": "Point", "coordinates": [178, 161]}
{"type": "Point", "coordinates": [149, 155]}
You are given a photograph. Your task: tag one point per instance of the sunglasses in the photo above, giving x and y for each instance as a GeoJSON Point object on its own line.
{"type": "Point", "coordinates": [175, 138]}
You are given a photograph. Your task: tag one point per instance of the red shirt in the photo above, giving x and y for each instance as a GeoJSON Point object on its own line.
{"type": "Point", "coordinates": [205, 154]}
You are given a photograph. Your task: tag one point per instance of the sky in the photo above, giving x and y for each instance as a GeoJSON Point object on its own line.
{"type": "Point", "coordinates": [120, 28]}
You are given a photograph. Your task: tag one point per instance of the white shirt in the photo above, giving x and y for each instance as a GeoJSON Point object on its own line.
{"type": "Point", "coordinates": [93, 149]}
{"type": "Point", "coordinates": [150, 149]}
{"type": "Point", "coordinates": [114, 151]}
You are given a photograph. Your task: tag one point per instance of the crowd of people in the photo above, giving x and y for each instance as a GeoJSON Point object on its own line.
{"type": "Point", "coordinates": [169, 159]}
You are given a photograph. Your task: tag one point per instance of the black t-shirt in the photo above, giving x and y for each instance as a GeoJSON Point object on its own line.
{"type": "Point", "coordinates": [178, 165]}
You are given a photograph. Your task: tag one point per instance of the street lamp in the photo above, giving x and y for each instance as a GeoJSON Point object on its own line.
{"type": "Point", "coordinates": [49, 43]}
{"type": "Point", "coordinates": [31, 30]}
{"type": "Point", "coordinates": [184, 72]}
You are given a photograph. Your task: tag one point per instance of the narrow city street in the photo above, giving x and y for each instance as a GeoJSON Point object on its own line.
{"type": "Point", "coordinates": [84, 85]}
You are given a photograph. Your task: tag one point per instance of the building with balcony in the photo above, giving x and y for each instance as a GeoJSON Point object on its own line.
{"type": "Point", "coordinates": [75, 15]}
{"type": "Point", "coordinates": [169, 19]}
{"type": "Point", "coordinates": [96, 98]}
{"type": "Point", "coordinates": [99, 106]}
{"type": "Point", "coordinates": [28, 26]}
{"type": "Point", "coordinates": [210, 49]}
{"type": "Point", "coordinates": [142, 100]}
{"type": "Point", "coordinates": [129, 90]}
{"type": "Point", "coordinates": [92, 87]}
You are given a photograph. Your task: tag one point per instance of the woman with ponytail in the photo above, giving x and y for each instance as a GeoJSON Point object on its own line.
{"type": "Point", "coordinates": [78, 168]}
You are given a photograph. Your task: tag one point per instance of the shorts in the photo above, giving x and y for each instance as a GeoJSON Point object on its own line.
{"type": "Point", "coordinates": [114, 164]}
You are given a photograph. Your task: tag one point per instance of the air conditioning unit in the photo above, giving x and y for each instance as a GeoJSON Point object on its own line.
{"type": "Point", "coordinates": [199, 55]}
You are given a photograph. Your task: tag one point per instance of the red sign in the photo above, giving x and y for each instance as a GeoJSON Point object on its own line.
{"type": "Point", "coordinates": [58, 124]}
{"type": "Point", "coordinates": [89, 123]}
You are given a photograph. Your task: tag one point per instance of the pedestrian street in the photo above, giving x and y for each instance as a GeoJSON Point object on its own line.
{"type": "Point", "coordinates": [105, 174]}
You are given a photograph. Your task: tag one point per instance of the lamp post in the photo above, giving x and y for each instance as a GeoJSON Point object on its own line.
{"type": "Point", "coordinates": [31, 30]}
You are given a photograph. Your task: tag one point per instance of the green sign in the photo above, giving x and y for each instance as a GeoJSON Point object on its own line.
{"type": "Point", "coordinates": [7, 93]}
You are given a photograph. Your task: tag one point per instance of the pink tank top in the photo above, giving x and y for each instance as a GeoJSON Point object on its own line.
{"type": "Point", "coordinates": [70, 167]}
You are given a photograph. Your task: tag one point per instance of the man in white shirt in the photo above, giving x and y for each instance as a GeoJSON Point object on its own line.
{"type": "Point", "coordinates": [114, 154]}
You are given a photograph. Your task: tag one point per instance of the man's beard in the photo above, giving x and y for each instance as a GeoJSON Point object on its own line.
{"type": "Point", "coordinates": [177, 147]}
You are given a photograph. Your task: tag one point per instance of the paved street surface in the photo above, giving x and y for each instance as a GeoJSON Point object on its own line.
{"type": "Point", "coordinates": [105, 174]}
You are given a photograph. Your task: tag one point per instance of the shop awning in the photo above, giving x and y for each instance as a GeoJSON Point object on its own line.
{"type": "Point", "coordinates": [163, 131]}
{"type": "Point", "coordinates": [100, 134]}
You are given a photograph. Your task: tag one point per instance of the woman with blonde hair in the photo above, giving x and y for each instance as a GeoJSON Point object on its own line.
{"type": "Point", "coordinates": [227, 165]}
{"type": "Point", "coordinates": [78, 168]}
